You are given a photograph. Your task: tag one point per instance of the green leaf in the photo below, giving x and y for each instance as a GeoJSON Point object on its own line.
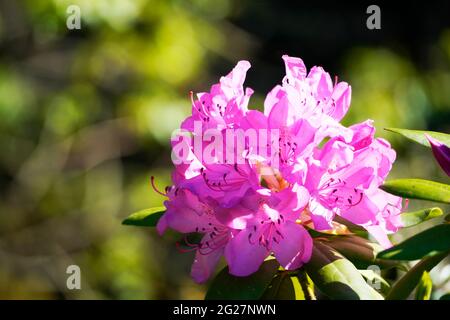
{"type": "Point", "coordinates": [445, 297]}
{"type": "Point", "coordinates": [361, 252]}
{"type": "Point", "coordinates": [281, 288]}
{"type": "Point", "coordinates": [317, 234]}
{"type": "Point", "coordinates": [418, 189]}
{"type": "Point", "coordinates": [288, 286]}
{"type": "Point", "coordinates": [145, 218]}
{"type": "Point", "coordinates": [412, 218]}
{"type": "Point", "coordinates": [435, 239]}
{"type": "Point", "coordinates": [354, 228]}
{"type": "Point", "coordinates": [226, 286]}
{"type": "Point", "coordinates": [423, 291]}
{"type": "Point", "coordinates": [419, 136]}
{"type": "Point", "coordinates": [337, 277]}
{"type": "Point", "coordinates": [375, 278]}
{"type": "Point", "coordinates": [403, 287]}
{"type": "Point", "coordinates": [307, 285]}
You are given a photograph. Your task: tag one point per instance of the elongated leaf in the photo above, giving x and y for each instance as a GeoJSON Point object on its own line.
{"type": "Point", "coordinates": [307, 285]}
{"type": "Point", "coordinates": [418, 189]}
{"type": "Point", "coordinates": [412, 218]}
{"type": "Point", "coordinates": [403, 287]}
{"type": "Point", "coordinates": [227, 286]}
{"type": "Point", "coordinates": [435, 239]}
{"type": "Point", "coordinates": [361, 252]}
{"type": "Point", "coordinates": [338, 229]}
{"type": "Point", "coordinates": [445, 297]}
{"type": "Point", "coordinates": [145, 218]}
{"type": "Point", "coordinates": [419, 136]}
{"type": "Point", "coordinates": [281, 288]}
{"type": "Point", "coordinates": [354, 228]}
{"type": "Point", "coordinates": [423, 291]}
{"type": "Point", "coordinates": [375, 279]}
{"type": "Point", "coordinates": [287, 286]}
{"type": "Point", "coordinates": [337, 277]}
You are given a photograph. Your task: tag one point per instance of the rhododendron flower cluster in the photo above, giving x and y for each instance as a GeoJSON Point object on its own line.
{"type": "Point", "coordinates": [295, 169]}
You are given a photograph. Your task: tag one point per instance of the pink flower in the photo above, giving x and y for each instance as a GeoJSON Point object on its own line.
{"type": "Point", "coordinates": [186, 213]}
{"type": "Point", "coordinates": [226, 183]}
{"type": "Point", "coordinates": [343, 179]}
{"type": "Point", "coordinates": [385, 210]}
{"type": "Point", "coordinates": [225, 104]}
{"type": "Point", "coordinates": [273, 228]}
{"type": "Point", "coordinates": [248, 210]}
{"type": "Point", "coordinates": [311, 97]}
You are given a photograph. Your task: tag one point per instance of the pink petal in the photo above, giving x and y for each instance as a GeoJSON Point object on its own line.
{"type": "Point", "coordinates": [341, 95]}
{"type": "Point", "coordinates": [320, 215]}
{"type": "Point", "coordinates": [243, 257]}
{"type": "Point", "coordinates": [335, 155]}
{"type": "Point", "coordinates": [295, 68]}
{"type": "Point", "coordinates": [320, 82]}
{"type": "Point", "coordinates": [380, 235]}
{"type": "Point", "coordinates": [281, 114]}
{"type": "Point", "coordinates": [272, 98]}
{"type": "Point", "coordinates": [302, 197]}
{"type": "Point", "coordinates": [329, 127]}
{"type": "Point", "coordinates": [363, 134]}
{"type": "Point", "coordinates": [364, 213]}
{"type": "Point", "coordinates": [162, 226]}
{"type": "Point", "coordinates": [441, 153]}
{"type": "Point", "coordinates": [204, 265]}
{"type": "Point", "coordinates": [236, 78]}
{"type": "Point", "coordinates": [185, 213]}
{"type": "Point", "coordinates": [295, 248]}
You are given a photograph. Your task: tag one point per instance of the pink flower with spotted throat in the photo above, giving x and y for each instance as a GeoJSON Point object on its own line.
{"type": "Point", "coordinates": [315, 170]}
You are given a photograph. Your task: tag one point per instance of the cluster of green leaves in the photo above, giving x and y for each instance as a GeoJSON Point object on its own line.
{"type": "Point", "coordinates": [349, 267]}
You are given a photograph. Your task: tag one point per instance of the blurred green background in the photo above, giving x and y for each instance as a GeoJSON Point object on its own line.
{"type": "Point", "coordinates": [86, 115]}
